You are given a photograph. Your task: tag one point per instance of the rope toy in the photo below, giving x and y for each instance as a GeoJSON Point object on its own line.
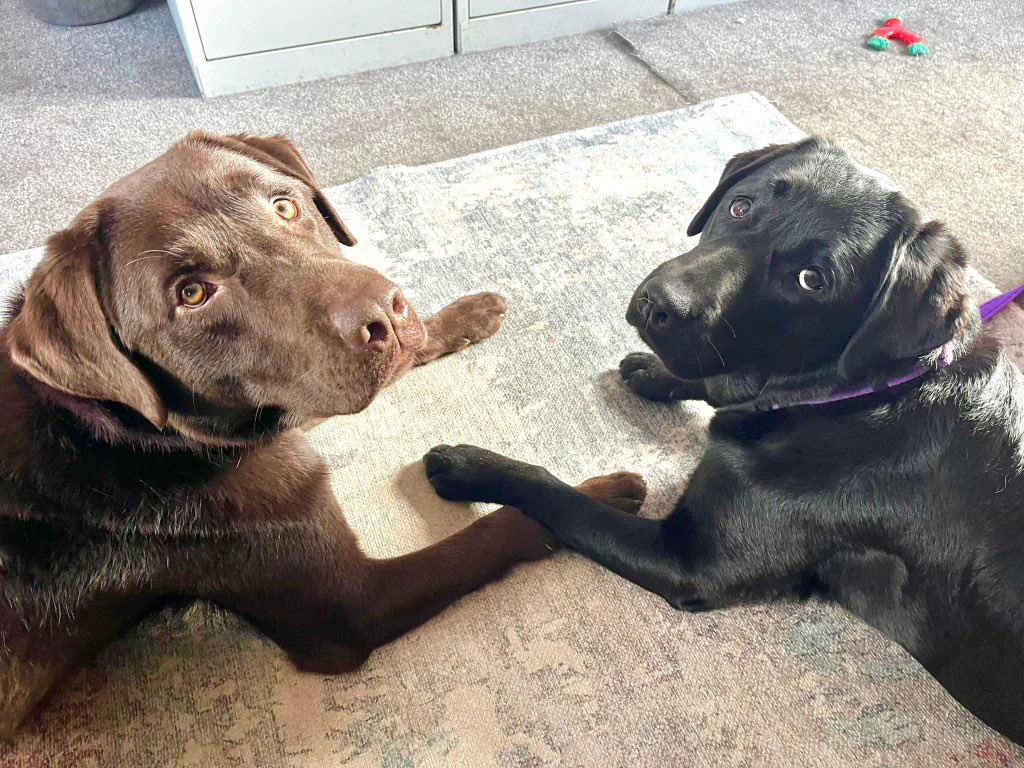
{"type": "Point", "coordinates": [892, 29]}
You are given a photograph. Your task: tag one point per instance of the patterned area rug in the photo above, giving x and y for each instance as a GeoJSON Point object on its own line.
{"type": "Point", "coordinates": [560, 663]}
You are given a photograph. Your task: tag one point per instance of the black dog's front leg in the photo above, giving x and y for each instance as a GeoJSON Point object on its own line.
{"type": "Point", "coordinates": [646, 375]}
{"type": "Point", "coordinates": [633, 547]}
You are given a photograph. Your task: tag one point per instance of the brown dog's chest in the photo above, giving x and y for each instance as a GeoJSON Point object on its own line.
{"type": "Point", "coordinates": [61, 524]}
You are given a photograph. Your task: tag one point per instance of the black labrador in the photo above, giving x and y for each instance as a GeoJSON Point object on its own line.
{"type": "Point", "coordinates": [814, 275]}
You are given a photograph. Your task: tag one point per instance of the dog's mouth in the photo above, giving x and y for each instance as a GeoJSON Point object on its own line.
{"type": "Point", "coordinates": [412, 335]}
{"type": "Point", "coordinates": [408, 342]}
{"type": "Point", "coordinates": [688, 349]}
{"type": "Point", "coordinates": [400, 367]}
{"type": "Point", "coordinates": [633, 316]}
{"type": "Point", "coordinates": [641, 318]}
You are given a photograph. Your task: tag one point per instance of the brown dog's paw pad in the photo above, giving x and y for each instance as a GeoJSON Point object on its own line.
{"type": "Point", "coordinates": [625, 491]}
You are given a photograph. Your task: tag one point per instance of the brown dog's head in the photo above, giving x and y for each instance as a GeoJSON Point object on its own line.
{"type": "Point", "coordinates": [207, 292]}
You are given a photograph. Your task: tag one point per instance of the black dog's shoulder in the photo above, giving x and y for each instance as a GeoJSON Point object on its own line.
{"type": "Point", "coordinates": [978, 402]}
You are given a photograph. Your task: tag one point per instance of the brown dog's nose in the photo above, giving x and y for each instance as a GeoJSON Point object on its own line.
{"type": "Point", "coordinates": [373, 315]}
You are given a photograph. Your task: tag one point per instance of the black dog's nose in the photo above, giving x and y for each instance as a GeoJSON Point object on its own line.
{"type": "Point", "coordinates": [663, 305]}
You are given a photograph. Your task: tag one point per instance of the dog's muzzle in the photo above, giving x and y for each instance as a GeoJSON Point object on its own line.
{"type": "Point", "coordinates": [662, 306]}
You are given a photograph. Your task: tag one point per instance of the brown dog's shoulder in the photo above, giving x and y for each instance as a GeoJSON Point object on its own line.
{"type": "Point", "coordinates": [281, 480]}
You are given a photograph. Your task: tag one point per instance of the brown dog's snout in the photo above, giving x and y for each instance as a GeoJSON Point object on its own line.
{"type": "Point", "coordinates": [373, 314]}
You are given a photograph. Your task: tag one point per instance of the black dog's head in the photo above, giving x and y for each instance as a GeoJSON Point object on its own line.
{"type": "Point", "coordinates": [806, 260]}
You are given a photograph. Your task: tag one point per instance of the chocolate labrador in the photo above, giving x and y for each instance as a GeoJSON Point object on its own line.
{"type": "Point", "coordinates": [868, 441]}
{"type": "Point", "coordinates": [151, 379]}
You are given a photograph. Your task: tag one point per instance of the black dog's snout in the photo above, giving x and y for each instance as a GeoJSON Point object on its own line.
{"type": "Point", "coordinates": [663, 306]}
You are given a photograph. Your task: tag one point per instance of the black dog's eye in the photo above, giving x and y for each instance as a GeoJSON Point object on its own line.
{"type": "Point", "coordinates": [739, 207]}
{"type": "Point", "coordinates": [194, 294]}
{"type": "Point", "coordinates": [810, 280]}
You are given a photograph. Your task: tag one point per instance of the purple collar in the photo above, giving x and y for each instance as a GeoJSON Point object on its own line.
{"type": "Point", "coordinates": [988, 310]}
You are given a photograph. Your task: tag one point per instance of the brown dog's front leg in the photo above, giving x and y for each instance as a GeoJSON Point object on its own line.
{"type": "Point", "coordinates": [406, 591]}
{"type": "Point", "coordinates": [463, 322]}
{"type": "Point", "coordinates": [311, 589]}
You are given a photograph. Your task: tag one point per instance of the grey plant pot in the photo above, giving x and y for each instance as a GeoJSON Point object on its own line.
{"type": "Point", "coordinates": [74, 13]}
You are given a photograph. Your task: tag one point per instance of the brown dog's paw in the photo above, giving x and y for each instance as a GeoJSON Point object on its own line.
{"type": "Point", "coordinates": [475, 318]}
{"type": "Point", "coordinates": [463, 322]}
{"type": "Point", "coordinates": [625, 491]}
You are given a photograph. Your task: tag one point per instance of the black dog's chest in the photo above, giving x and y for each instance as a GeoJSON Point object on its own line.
{"type": "Point", "coordinates": [780, 453]}
{"type": "Point", "coordinates": [789, 483]}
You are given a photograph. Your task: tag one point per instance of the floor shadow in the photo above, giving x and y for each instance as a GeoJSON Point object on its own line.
{"type": "Point", "coordinates": [442, 518]}
{"type": "Point", "coordinates": [649, 417]}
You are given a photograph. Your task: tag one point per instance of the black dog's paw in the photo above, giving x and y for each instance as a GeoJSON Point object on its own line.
{"type": "Point", "coordinates": [468, 473]}
{"type": "Point", "coordinates": [646, 375]}
{"type": "Point", "coordinates": [636, 361]}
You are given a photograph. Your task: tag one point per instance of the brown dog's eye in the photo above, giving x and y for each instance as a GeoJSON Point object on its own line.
{"type": "Point", "coordinates": [286, 208]}
{"type": "Point", "coordinates": [193, 294]}
{"type": "Point", "coordinates": [810, 280]}
{"type": "Point", "coordinates": [739, 207]}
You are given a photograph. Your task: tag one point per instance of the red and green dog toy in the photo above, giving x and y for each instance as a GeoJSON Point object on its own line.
{"type": "Point", "coordinates": [892, 29]}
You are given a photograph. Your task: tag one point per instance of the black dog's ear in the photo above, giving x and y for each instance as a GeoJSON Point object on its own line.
{"type": "Point", "coordinates": [61, 334]}
{"type": "Point", "coordinates": [282, 155]}
{"type": "Point", "coordinates": [739, 167]}
{"type": "Point", "coordinates": [920, 304]}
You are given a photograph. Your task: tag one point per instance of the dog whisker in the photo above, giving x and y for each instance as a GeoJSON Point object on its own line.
{"type": "Point", "coordinates": [255, 419]}
{"type": "Point", "coordinates": [300, 378]}
{"type": "Point", "coordinates": [726, 321]}
{"type": "Point", "coordinates": [717, 352]}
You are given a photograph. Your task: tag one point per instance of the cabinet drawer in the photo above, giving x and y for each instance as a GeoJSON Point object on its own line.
{"type": "Point", "coordinates": [486, 24]}
{"type": "Point", "coordinates": [491, 7]}
{"type": "Point", "coordinates": [238, 27]}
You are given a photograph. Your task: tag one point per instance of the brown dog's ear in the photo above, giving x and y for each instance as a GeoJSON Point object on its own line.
{"type": "Point", "coordinates": [740, 166]}
{"type": "Point", "coordinates": [61, 335]}
{"type": "Point", "coordinates": [920, 304]}
{"type": "Point", "coordinates": [280, 154]}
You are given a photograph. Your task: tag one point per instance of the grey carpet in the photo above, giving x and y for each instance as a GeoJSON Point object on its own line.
{"type": "Point", "coordinates": [79, 107]}
{"type": "Point", "coordinates": [561, 663]}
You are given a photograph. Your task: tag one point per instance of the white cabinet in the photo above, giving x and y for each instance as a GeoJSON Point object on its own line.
{"type": "Point", "coordinates": [236, 45]}
{"type": "Point", "coordinates": [492, 23]}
